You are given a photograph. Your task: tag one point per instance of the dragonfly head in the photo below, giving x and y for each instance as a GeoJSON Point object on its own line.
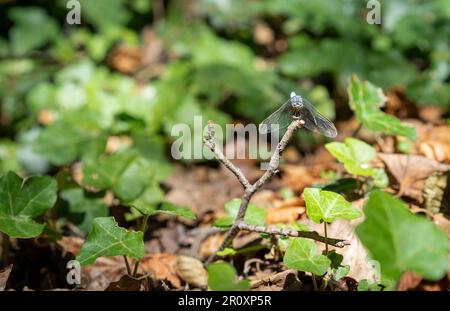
{"type": "Point", "coordinates": [296, 100]}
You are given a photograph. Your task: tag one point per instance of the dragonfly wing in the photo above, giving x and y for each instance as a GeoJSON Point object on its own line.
{"type": "Point", "coordinates": [315, 121]}
{"type": "Point", "coordinates": [278, 120]}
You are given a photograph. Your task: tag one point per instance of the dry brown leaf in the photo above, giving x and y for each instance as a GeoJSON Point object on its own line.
{"type": "Point", "coordinates": [285, 280]}
{"type": "Point", "coordinates": [102, 272]}
{"type": "Point", "coordinates": [70, 244]}
{"type": "Point", "coordinates": [410, 172]}
{"type": "Point", "coordinates": [211, 245]}
{"type": "Point", "coordinates": [435, 150]}
{"type": "Point", "coordinates": [298, 177]}
{"type": "Point", "coordinates": [191, 270]}
{"type": "Point", "coordinates": [408, 280]}
{"type": "Point", "coordinates": [125, 58]}
{"type": "Point", "coordinates": [263, 34]}
{"type": "Point", "coordinates": [284, 214]}
{"type": "Point", "coordinates": [161, 266]}
{"type": "Point", "coordinates": [126, 283]}
{"type": "Point", "coordinates": [46, 117]}
{"type": "Point", "coordinates": [432, 114]}
{"type": "Point", "coordinates": [4, 275]}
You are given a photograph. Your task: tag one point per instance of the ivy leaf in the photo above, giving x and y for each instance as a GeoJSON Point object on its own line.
{"type": "Point", "coordinates": [166, 208]}
{"type": "Point", "coordinates": [87, 208]}
{"type": "Point", "coordinates": [322, 205]}
{"type": "Point", "coordinates": [402, 241]}
{"type": "Point", "coordinates": [366, 100]}
{"type": "Point", "coordinates": [223, 277]}
{"type": "Point", "coordinates": [368, 285]}
{"type": "Point", "coordinates": [354, 154]}
{"type": "Point", "coordinates": [253, 216]}
{"type": "Point", "coordinates": [20, 202]}
{"type": "Point", "coordinates": [301, 255]}
{"type": "Point", "coordinates": [33, 27]}
{"type": "Point", "coordinates": [108, 239]}
{"type": "Point", "coordinates": [126, 173]}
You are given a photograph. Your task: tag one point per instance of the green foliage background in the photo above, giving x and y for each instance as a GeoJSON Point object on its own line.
{"type": "Point", "coordinates": [213, 66]}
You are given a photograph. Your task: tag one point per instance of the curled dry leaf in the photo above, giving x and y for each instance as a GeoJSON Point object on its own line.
{"type": "Point", "coordinates": [161, 266]}
{"type": "Point", "coordinates": [410, 172]}
{"type": "Point", "coordinates": [191, 271]}
{"type": "Point", "coordinates": [4, 275]}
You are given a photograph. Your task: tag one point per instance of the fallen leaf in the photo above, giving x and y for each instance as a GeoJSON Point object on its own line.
{"type": "Point", "coordinates": [284, 214]}
{"type": "Point", "coordinates": [211, 245]}
{"type": "Point", "coordinates": [285, 280]}
{"type": "Point", "coordinates": [70, 244]}
{"type": "Point", "coordinates": [4, 275]}
{"type": "Point", "coordinates": [125, 58]}
{"type": "Point", "coordinates": [408, 280]}
{"type": "Point", "coordinates": [102, 272]}
{"type": "Point", "coordinates": [191, 270]}
{"type": "Point", "coordinates": [410, 172]}
{"type": "Point", "coordinates": [126, 283]}
{"type": "Point", "coordinates": [263, 34]}
{"type": "Point", "coordinates": [162, 267]}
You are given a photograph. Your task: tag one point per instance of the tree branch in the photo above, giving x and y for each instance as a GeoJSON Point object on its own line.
{"type": "Point", "coordinates": [210, 142]}
{"type": "Point", "coordinates": [250, 189]}
{"type": "Point", "coordinates": [292, 233]}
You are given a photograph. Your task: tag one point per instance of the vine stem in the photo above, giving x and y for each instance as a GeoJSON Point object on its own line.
{"type": "Point", "coordinates": [326, 237]}
{"type": "Point", "coordinates": [127, 264]}
{"type": "Point", "coordinates": [143, 229]}
{"type": "Point", "coordinates": [313, 277]}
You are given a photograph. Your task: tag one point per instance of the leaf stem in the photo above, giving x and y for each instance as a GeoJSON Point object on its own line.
{"type": "Point", "coordinates": [143, 229]}
{"type": "Point", "coordinates": [127, 264]}
{"type": "Point", "coordinates": [313, 278]}
{"type": "Point", "coordinates": [326, 237]}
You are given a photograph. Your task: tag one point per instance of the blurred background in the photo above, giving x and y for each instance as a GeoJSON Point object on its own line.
{"type": "Point", "coordinates": [120, 79]}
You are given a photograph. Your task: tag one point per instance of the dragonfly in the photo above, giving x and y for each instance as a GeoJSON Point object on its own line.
{"type": "Point", "coordinates": [298, 107]}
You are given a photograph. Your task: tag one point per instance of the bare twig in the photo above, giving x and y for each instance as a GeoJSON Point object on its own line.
{"type": "Point", "coordinates": [210, 142]}
{"type": "Point", "coordinates": [250, 189]}
{"type": "Point", "coordinates": [292, 233]}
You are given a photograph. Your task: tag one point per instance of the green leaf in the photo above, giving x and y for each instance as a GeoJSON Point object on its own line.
{"type": "Point", "coordinates": [354, 154]}
{"type": "Point", "coordinates": [87, 208]}
{"type": "Point", "coordinates": [340, 272]}
{"type": "Point", "coordinates": [368, 285]}
{"type": "Point", "coordinates": [171, 209]}
{"type": "Point", "coordinates": [33, 27]}
{"type": "Point", "coordinates": [108, 239]}
{"type": "Point", "coordinates": [126, 173]}
{"type": "Point", "coordinates": [380, 178]}
{"type": "Point", "coordinates": [301, 255]}
{"type": "Point", "coordinates": [328, 206]}
{"type": "Point", "coordinates": [366, 100]}
{"type": "Point", "coordinates": [224, 222]}
{"type": "Point", "coordinates": [402, 241]}
{"type": "Point", "coordinates": [20, 202]}
{"type": "Point", "coordinates": [223, 277]}
{"type": "Point", "coordinates": [253, 216]}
